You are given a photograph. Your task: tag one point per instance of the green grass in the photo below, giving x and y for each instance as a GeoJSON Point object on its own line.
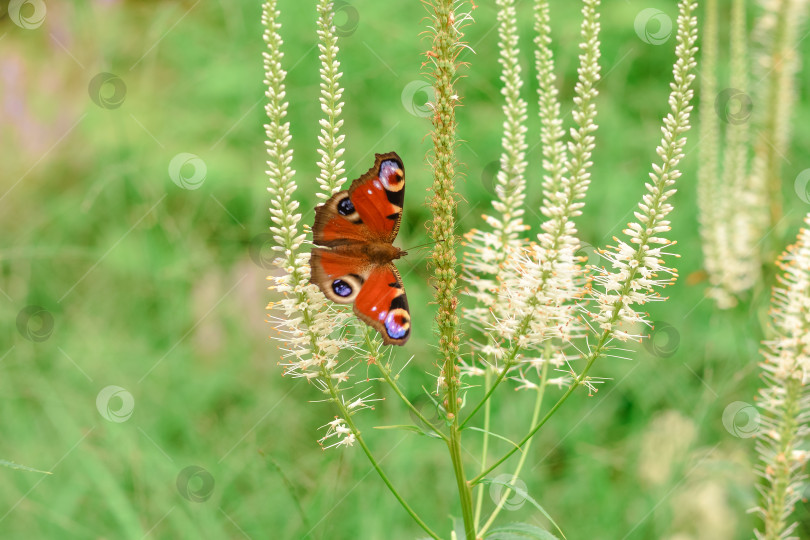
{"type": "Point", "coordinates": [152, 287]}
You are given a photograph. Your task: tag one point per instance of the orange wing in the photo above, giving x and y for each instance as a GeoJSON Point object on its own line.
{"type": "Point", "coordinates": [379, 195]}
{"type": "Point", "coordinates": [377, 292]}
{"type": "Point", "coordinates": [370, 210]}
{"type": "Point", "coordinates": [382, 304]}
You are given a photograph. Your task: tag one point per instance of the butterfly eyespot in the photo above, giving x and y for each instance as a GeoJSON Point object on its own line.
{"type": "Point", "coordinates": [345, 207]}
{"type": "Point", "coordinates": [355, 229]}
{"type": "Point", "coordinates": [341, 288]}
{"type": "Point", "coordinates": [392, 176]}
{"type": "Point", "coordinates": [398, 324]}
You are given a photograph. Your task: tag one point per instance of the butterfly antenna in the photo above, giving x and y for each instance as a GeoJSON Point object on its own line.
{"type": "Point", "coordinates": [414, 248]}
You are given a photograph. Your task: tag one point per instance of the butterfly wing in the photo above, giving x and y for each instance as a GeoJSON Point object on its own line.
{"type": "Point", "coordinates": [379, 195]}
{"type": "Point", "coordinates": [370, 210]}
{"type": "Point", "coordinates": [339, 273]}
{"type": "Point", "coordinates": [382, 304]}
{"type": "Point", "coordinates": [344, 276]}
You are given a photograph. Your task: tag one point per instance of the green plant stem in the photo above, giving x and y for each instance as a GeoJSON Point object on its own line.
{"type": "Point", "coordinates": [777, 492]}
{"type": "Point", "coordinates": [538, 404]}
{"type": "Point", "coordinates": [291, 490]}
{"type": "Point", "coordinates": [346, 415]}
{"type": "Point", "coordinates": [485, 449]}
{"type": "Point", "coordinates": [523, 328]}
{"type": "Point", "coordinates": [393, 384]}
{"type": "Point", "coordinates": [485, 399]}
{"type": "Point", "coordinates": [597, 351]}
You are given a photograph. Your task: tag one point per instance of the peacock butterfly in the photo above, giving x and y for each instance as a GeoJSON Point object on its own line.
{"type": "Point", "coordinates": [358, 226]}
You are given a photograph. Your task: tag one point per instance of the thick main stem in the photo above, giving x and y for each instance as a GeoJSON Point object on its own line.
{"type": "Point", "coordinates": [443, 207]}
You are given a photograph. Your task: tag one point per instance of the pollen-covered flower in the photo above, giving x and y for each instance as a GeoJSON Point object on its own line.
{"type": "Point", "coordinates": [637, 267]}
{"type": "Point", "coordinates": [331, 140]}
{"type": "Point", "coordinates": [338, 433]}
{"type": "Point", "coordinates": [301, 317]}
{"type": "Point", "coordinates": [528, 293]}
{"type": "Point", "coordinates": [785, 398]}
{"type": "Point", "coordinates": [312, 331]}
{"type": "Point", "coordinates": [485, 260]}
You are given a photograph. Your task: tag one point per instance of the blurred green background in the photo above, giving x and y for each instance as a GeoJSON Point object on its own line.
{"type": "Point", "coordinates": [159, 292]}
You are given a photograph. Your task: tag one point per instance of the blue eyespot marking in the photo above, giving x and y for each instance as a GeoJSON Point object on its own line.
{"type": "Point", "coordinates": [345, 207]}
{"type": "Point", "coordinates": [396, 325]}
{"type": "Point", "coordinates": [341, 288]}
{"type": "Point", "coordinates": [388, 170]}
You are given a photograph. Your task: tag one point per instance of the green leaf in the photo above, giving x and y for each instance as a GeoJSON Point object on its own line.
{"type": "Point", "coordinates": [501, 437]}
{"type": "Point", "coordinates": [519, 531]}
{"type": "Point", "coordinates": [518, 490]}
{"type": "Point", "coordinates": [12, 465]}
{"type": "Point", "coordinates": [410, 427]}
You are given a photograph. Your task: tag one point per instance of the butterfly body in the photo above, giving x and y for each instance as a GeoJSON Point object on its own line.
{"type": "Point", "coordinates": [356, 228]}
